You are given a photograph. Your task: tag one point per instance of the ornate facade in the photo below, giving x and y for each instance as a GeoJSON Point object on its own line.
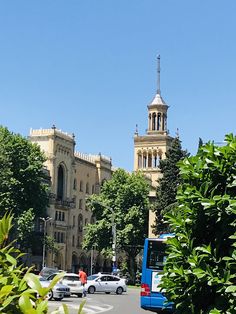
{"type": "Point", "coordinates": [74, 176]}
{"type": "Point", "coordinates": [151, 147]}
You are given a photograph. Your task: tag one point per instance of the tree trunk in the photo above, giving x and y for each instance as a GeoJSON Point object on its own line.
{"type": "Point", "coordinates": [132, 267]}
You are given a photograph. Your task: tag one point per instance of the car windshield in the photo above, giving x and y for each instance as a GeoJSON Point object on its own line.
{"type": "Point", "coordinates": [92, 277]}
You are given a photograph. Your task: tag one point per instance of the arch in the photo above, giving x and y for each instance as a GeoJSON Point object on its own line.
{"type": "Point", "coordinates": [149, 160]}
{"type": "Point", "coordinates": [144, 159]}
{"type": "Point", "coordinates": [75, 184]}
{"type": "Point", "coordinates": [60, 182]}
{"type": "Point", "coordinates": [154, 116]}
{"type": "Point", "coordinates": [80, 222]}
{"type": "Point", "coordinates": [87, 188]}
{"type": "Point", "coordinates": [75, 263]}
{"type": "Point", "coordinates": [139, 160]}
{"type": "Point", "coordinates": [158, 121]}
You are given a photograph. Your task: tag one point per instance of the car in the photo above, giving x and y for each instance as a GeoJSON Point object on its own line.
{"type": "Point", "coordinates": [58, 292]}
{"type": "Point", "coordinates": [47, 271]}
{"type": "Point", "coordinates": [72, 280]}
{"type": "Point", "coordinates": [105, 283]}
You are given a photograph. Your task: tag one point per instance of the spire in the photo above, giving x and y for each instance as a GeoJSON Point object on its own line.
{"type": "Point", "coordinates": [158, 75]}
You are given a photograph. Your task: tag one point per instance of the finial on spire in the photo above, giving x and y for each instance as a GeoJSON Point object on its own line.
{"type": "Point", "coordinates": [158, 75]}
{"type": "Point", "coordinates": [177, 133]}
{"type": "Point", "coordinates": [136, 130]}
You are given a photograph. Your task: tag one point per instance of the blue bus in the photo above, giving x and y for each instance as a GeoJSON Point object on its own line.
{"type": "Point", "coordinates": [154, 257]}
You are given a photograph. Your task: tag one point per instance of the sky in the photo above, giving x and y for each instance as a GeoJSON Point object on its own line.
{"type": "Point", "coordinates": [90, 68]}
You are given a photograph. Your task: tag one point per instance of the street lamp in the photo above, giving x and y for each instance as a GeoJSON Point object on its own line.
{"type": "Point", "coordinates": [45, 220]}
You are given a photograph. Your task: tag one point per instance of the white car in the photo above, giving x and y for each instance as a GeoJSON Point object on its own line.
{"type": "Point", "coordinates": [58, 292]}
{"type": "Point", "coordinates": [71, 280]}
{"type": "Point", "coordinates": [105, 283]}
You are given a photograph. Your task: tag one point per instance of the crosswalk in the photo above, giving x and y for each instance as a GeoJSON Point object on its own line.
{"type": "Point", "coordinates": [94, 309]}
{"type": "Point", "coordinates": [87, 309]}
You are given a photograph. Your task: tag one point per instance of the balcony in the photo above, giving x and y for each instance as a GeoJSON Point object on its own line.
{"type": "Point", "coordinates": [67, 203]}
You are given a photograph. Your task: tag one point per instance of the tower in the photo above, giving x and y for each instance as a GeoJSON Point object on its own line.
{"type": "Point", "coordinates": [151, 147]}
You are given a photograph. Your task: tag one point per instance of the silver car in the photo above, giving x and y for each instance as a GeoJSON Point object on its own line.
{"type": "Point", "coordinates": [105, 283]}
{"type": "Point", "coordinates": [58, 291]}
{"type": "Point", "coordinates": [71, 280]}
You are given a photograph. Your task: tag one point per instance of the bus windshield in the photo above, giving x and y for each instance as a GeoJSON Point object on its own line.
{"type": "Point", "coordinates": [156, 255]}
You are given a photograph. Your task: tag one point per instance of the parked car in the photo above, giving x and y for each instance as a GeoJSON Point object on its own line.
{"type": "Point", "coordinates": [47, 271]}
{"type": "Point", "coordinates": [71, 280]}
{"type": "Point", "coordinates": [105, 283]}
{"type": "Point", "coordinates": [58, 292]}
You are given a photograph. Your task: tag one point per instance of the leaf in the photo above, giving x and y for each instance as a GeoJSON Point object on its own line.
{"type": "Point", "coordinates": [230, 289]}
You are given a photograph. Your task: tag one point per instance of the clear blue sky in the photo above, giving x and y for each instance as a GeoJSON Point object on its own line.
{"type": "Point", "coordinates": [89, 67]}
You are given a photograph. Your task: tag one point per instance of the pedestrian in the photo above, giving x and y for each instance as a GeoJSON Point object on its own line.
{"type": "Point", "coordinates": [83, 278]}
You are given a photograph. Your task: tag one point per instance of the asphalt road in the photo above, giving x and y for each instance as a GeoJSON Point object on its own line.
{"type": "Point", "coordinates": [127, 303]}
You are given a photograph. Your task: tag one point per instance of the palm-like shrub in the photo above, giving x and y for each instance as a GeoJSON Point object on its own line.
{"type": "Point", "coordinates": [21, 291]}
{"type": "Point", "coordinates": [200, 272]}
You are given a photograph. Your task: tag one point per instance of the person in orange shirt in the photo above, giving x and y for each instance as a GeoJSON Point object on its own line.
{"type": "Point", "coordinates": [83, 279]}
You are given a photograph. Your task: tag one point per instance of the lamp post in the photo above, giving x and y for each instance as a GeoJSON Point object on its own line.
{"type": "Point", "coordinates": [45, 220]}
{"type": "Point", "coordinates": [113, 225]}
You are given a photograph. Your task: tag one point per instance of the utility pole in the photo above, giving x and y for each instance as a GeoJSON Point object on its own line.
{"type": "Point", "coordinates": [45, 220]}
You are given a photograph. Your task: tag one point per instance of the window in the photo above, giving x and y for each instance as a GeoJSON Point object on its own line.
{"type": "Point", "coordinates": [81, 186]}
{"type": "Point", "coordinates": [60, 183]}
{"type": "Point", "coordinates": [80, 204]}
{"type": "Point", "coordinates": [75, 184]}
{"type": "Point", "coordinates": [87, 188]}
{"type": "Point", "coordinates": [73, 240]}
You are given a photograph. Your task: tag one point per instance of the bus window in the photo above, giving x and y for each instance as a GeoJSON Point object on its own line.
{"type": "Point", "coordinates": [156, 255]}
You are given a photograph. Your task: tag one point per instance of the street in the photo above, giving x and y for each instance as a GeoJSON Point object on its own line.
{"type": "Point", "coordinates": [127, 303]}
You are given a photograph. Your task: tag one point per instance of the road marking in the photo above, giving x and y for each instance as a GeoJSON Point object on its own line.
{"type": "Point", "coordinates": [88, 309]}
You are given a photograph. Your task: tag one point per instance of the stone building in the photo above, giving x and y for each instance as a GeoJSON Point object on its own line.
{"type": "Point", "coordinates": [151, 147]}
{"type": "Point", "coordinates": [74, 176]}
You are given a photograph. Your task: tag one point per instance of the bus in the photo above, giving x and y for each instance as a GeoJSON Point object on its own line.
{"type": "Point", "coordinates": [154, 257]}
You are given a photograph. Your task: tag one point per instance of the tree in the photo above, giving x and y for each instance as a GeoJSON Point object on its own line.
{"type": "Point", "coordinates": [22, 180]}
{"type": "Point", "coordinates": [127, 195]}
{"type": "Point", "coordinates": [167, 185]}
{"type": "Point", "coordinates": [200, 272]}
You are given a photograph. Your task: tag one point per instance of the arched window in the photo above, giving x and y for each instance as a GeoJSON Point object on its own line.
{"type": "Point", "coordinates": [60, 183]}
{"type": "Point", "coordinates": [149, 160]}
{"type": "Point", "coordinates": [164, 124]}
{"type": "Point", "coordinates": [139, 160]}
{"type": "Point", "coordinates": [158, 121]}
{"type": "Point", "coordinates": [154, 116]}
{"type": "Point", "coordinates": [87, 188]}
{"type": "Point", "coordinates": [75, 184]}
{"type": "Point", "coordinates": [80, 223]}
{"type": "Point", "coordinates": [145, 161]}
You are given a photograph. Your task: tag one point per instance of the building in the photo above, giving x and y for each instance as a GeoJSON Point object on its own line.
{"type": "Point", "coordinates": [74, 176]}
{"type": "Point", "coordinates": [151, 147]}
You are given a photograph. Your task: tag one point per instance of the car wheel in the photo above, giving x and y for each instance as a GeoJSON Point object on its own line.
{"type": "Point", "coordinates": [58, 299]}
{"type": "Point", "coordinates": [107, 292]}
{"type": "Point", "coordinates": [119, 290]}
{"type": "Point", "coordinates": [79, 295]}
{"type": "Point", "coordinates": [91, 290]}
{"type": "Point", "coordinates": [49, 295]}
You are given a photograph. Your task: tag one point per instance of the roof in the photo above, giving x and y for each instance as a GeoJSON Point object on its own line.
{"type": "Point", "coordinates": [158, 100]}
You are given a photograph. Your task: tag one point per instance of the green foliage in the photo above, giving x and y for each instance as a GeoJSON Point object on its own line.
{"type": "Point", "coordinates": [25, 227]}
{"type": "Point", "coordinates": [22, 184]}
{"type": "Point", "coordinates": [167, 185]}
{"type": "Point", "coordinates": [127, 195]}
{"type": "Point", "coordinates": [19, 293]}
{"type": "Point", "coordinates": [51, 244]}
{"type": "Point", "coordinates": [200, 272]}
